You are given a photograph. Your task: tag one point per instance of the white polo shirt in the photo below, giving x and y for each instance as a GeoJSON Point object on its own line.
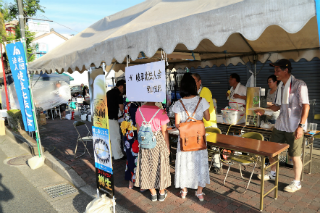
{"type": "Point", "coordinates": [237, 102]}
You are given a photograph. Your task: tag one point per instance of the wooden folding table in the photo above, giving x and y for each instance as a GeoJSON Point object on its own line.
{"type": "Point", "coordinates": [261, 148]}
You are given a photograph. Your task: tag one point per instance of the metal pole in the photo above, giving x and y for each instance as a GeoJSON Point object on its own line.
{"type": "Point", "coordinates": [5, 81]}
{"type": "Point", "coordinates": [21, 19]}
{"type": "Point", "coordinates": [33, 106]}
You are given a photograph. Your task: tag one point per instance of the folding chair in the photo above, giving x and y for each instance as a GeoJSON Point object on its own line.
{"type": "Point", "coordinates": [84, 140]}
{"type": "Point", "coordinates": [245, 160]}
{"type": "Point", "coordinates": [213, 150]}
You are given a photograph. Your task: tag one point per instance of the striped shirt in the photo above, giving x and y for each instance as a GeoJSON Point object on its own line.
{"type": "Point", "coordinates": [290, 114]}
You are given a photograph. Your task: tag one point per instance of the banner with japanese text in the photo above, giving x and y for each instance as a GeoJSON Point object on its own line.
{"type": "Point", "coordinates": [17, 60]}
{"type": "Point", "coordinates": [101, 137]}
{"type": "Point", "coordinates": [146, 82]}
{"type": "Point", "coordinates": [103, 160]}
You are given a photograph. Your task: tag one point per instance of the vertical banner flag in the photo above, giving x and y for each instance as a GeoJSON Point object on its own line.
{"type": "Point", "coordinates": [146, 82]}
{"type": "Point", "coordinates": [102, 158]}
{"type": "Point", "coordinates": [17, 60]}
{"type": "Point", "coordinates": [101, 138]}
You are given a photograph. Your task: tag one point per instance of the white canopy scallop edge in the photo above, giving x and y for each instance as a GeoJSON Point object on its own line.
{"type": "Point", "coordinates": [214, 29]}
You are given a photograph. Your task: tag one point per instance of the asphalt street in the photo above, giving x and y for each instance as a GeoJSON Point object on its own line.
{"type": "Point", "coordinates": [25, 190]}
{"type": "Point", "coordinates": [17, 194]}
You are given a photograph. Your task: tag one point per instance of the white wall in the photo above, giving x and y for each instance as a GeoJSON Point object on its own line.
{"type": "Point", "coordinates": [79, 78]}
{"type": "Point", "coordinates": [50, 41]}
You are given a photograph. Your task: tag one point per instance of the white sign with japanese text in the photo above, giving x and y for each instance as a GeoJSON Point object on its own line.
{"type": "Point", "coordinates": [146, 82]}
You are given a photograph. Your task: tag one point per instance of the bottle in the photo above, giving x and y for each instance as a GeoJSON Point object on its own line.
{"type": "Point", "coordinates": [72, 115]}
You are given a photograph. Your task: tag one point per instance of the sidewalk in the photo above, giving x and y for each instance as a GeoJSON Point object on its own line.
{"type": "Point", "coordinates": [59, 138]}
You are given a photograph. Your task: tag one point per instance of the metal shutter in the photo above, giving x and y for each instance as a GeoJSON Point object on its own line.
{"type": "Point", "coordinates": [304, 70]}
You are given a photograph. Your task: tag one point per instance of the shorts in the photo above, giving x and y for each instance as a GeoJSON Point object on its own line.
{"type": "Point", "coordinates": [295, 148]}
{"type": "Point", "coordinates": [63, 107]}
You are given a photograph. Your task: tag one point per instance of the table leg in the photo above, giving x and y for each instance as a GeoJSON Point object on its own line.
{"type": "Point", "coordinates": [311, 150]}
{"type": "Point", "coordinates": [263, 160]}
{"type": "Point", "coordinates": [277, 179]}
{"type": "Point", "coordinates": [303, 156]}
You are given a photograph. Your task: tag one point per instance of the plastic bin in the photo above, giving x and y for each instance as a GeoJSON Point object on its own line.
{"type": "Point", "coordinates": [3, 113]}
{"type": "Point", "coordinates": [233, 116]}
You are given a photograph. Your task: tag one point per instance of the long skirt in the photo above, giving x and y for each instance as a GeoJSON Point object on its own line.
{"type": "Point", "coordinates": [153, 169]}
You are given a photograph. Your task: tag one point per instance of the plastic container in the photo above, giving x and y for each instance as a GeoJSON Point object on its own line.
{"type": "Point", "coordinates": [219, 118]}
{"type": "Point", "coordinates": [84, 117]}
{"type": "Point", "coordinates": [68, 116]}
{"type": "Point", "coordinates": [233, 116]}
{"type": "Point", "coordinates": [3, 113]}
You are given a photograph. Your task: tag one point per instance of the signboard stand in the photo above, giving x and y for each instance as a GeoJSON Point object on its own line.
{"type": "Point", "coordinates": [101, 137]}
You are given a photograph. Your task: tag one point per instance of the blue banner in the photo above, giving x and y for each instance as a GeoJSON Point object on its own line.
{"type": "Point", "coordinates": [103, 160]}
{"type": "Point", "coordinates": [17, 60]}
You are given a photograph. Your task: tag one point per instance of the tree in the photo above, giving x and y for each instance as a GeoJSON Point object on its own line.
{"type": "Point", "coordinates": [30, 8]}
{"type": "Point", "coordinates": [3, 32]}
{"type": "Point", "coordinates": [10, 12]}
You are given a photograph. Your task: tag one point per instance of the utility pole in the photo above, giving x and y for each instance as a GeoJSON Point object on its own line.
{"type": "Point", "coordinates": [21, 19]}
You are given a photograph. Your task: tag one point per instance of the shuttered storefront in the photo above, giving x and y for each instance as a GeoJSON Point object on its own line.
{"type": "Point", "coordinates": [216, 79]}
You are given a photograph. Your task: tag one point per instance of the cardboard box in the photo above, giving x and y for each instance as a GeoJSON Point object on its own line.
{"type": "Point", "coordinates": [43, 119]}
{"type": "Point", "coordinates": [2, 127]}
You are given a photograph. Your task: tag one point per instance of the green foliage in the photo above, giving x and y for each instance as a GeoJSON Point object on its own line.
{"type": "Point", "coordinates": [10, 12]}
{"type": "Point", "coordinates": [15, 119]}
{"type": "Point", "coordinates": [29, 38]}
{"type": "Point", "coordinates": [4, 9]}
{"type": "Point", "coordinates": [30, 8]}
{"type": "Point", "coordinates": [3, 32]}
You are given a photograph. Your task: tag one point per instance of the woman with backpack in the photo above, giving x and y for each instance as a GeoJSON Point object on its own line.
{"type": "Point", "coordinates": [191, 167]}
{"type": "Point", "coordinates": [153, 167]}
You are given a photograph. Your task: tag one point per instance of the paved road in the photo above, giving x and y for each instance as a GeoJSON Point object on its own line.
{"type": "Point", "coordinates": [17, 194]}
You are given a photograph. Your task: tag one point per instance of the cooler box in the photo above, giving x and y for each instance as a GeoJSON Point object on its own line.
{"type": "Point", "coordinates": [233, 116]}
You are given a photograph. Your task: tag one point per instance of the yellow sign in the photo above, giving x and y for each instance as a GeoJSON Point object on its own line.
{"type": "Point", "coordinates": [100, 112]}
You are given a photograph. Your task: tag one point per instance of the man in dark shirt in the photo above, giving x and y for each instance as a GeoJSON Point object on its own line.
{"type": "Point", "coordinates": [115, 103]}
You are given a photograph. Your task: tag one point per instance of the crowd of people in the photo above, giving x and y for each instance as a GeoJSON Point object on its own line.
{"type": "Point", "coordinates": [149, 168]}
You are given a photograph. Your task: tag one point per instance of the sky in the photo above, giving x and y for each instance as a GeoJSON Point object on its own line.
{"type": "Point", "coordinates": [77, 15]}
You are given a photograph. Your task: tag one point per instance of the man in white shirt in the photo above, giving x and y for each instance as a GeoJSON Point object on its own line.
{"type": "Point", "coordinates": [293, 102]}
{"type": "Point", "coordinates": [237, 96]}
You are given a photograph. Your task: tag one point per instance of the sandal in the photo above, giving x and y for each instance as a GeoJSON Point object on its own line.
{"type": "Point", "coordinates": [130, 186]}
{"type": "Point", "coordinates": [183, 194]}
{"type": "Point", "coordinates": [198, 196]}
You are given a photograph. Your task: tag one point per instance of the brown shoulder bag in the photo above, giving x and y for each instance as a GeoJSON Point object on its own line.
{"type": "Point", "coordinates": [192, 133]}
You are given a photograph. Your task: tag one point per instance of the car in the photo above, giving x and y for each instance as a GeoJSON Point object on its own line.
{"type": "Point", "coordinates": [76, 90]}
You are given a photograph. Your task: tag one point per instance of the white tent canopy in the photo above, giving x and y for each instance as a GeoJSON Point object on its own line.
{"type": "Point", "coordinates": [205, 32]}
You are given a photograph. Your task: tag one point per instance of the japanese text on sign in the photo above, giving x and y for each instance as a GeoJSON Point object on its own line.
{"type": "Point", "coordinates": [17, 62]}
{"type": "Point", "coordinates": [146, 82]}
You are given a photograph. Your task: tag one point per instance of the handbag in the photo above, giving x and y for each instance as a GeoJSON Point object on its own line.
{"type": "Point", "coordinates": [192, 132]}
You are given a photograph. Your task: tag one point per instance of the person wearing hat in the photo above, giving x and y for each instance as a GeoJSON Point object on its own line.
{"type": "Point", "coordinates": [115, 103]}
{"type": "Point", "coordinates": [293, 101]}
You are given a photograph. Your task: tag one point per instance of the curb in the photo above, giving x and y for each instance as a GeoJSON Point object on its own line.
{"type": "Point", "coordinates": [55, 164]}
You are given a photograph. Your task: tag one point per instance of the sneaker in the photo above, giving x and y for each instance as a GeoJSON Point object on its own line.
{"type": "Point", "coordinates": [154, 197]}
{"type": "Point", "coordinates": [292, 187]}
{"type": "Point", "coordinates": [163, 197]}
{"type": "Point", "coordinates": [217, 170]}
{"type": "Point", "coordinates": [267, 176]}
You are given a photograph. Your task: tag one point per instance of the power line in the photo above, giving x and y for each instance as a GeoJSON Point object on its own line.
{"type": "Point", "coordinates": [59, 23]}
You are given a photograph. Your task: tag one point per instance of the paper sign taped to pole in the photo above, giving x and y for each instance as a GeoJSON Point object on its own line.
{"type": "Point", "coordinates": [146, 82]}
